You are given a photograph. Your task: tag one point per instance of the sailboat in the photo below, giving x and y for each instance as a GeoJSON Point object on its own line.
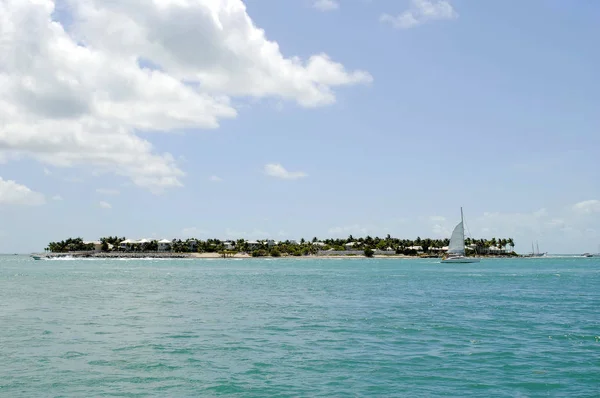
{"type": "Point", "coordinates": [536, 253]}
{"type": "Point", "coordinates": [456, 248]}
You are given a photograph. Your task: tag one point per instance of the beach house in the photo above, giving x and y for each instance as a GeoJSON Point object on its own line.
{"type": "Point", "coordinates": [164, 245]}
{"type": "Point", "coordinates": [351, 245]}
{"type": "Point", "coordinates": [127, 244]}
{"type": "Point", "coordinates": [97, 245]}
{"type": "Point", "coordinates": [229, 245]}
{"type": "Point", "coordinates": [253, 244]}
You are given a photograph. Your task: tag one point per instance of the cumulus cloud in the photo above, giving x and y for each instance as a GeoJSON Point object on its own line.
{"type": "Point", "coordinates": [215, 179]}
{"type": "Point", "coordinates": [278, 171]}
{"type": "Point", "coordinates": [420, 12]}
{"type": "Point", "coordinates": [105, 205]}
{"type": "Point", "coordinates": [587, 206]}
{"type": "Point", "coordinates": [12, 193]}
{"type": "Point", "coordinates": [326, 5]}
{"type": "Point", "coordinates": [79, 96]}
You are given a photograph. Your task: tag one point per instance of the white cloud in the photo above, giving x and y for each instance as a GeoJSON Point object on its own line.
{"type": "Point", "coordinates": [541, 213]}
{"type": "Point", "coordinates": [556, 222]}
{"type": "Point", "coordinates": [566, 230]}
{"type": "Point", "coordinates": [326, 5]}
{"type": "Point", "coordinates": [437, 218]}
{"type": "Point", "coordinates": [47, 172]}
{"type": "Point", "coordinates": [57, 198]}
{"type": "Point", "coordinates": [587, 207]}
{"type": "Point", "coordinates": [105, 205]}
{"type": "Point", "coordinates": [12, 193]}
{"type": "Point", "coordinates": [441, 231]}
{"type": "Point", "coordinates": [215, 179]}
{"type": "Point", "coordinates": [109, 192]}
{"type": "Point", "coordinates": [78, 97]}
{"type": "Point", "coordinates": [420, 12]}
{"type": "Point", "coordinates": [278, 171]}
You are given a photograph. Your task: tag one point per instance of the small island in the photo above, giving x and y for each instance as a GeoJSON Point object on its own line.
{"type": "Point", "coordinates": [121, 247]}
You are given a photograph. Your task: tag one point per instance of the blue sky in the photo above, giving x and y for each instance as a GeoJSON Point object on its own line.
{"type": "Point", "coordinates": [483, 105]}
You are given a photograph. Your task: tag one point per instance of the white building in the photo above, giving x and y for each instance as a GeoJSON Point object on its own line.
{"type": "Point", "coordinates": [127, 244]}
{"type": "Point", "coordinates": [164, 245]}
{"type": "Point", "coordinates": [253, 245]}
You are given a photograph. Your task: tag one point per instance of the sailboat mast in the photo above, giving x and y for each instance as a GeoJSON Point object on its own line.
{"type": "Point", "coordinates": [537, 246]}
{"type": "Point", "coordinates": [461, 216]}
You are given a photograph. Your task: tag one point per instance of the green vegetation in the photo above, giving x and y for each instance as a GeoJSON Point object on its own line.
{"type": "Point", "coordinates": [69, 245]}
{"type": "Point", "coordinates": [259, 253]}
{"type": "Point", "coordinates": [368, 246]}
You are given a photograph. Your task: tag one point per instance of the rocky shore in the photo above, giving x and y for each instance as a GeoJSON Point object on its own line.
{"type": "Point", "coordinates": [126, 255]}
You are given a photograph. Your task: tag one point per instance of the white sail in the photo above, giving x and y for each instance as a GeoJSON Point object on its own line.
{"type": "Point", "coordinates": [457, 241]}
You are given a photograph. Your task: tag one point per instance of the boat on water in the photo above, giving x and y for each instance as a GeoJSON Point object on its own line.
{"type": "Point", "coordinates": [456, 248]}
{"type": "Point", "coordinates": [36, 257]}
{"type": "Point", "coordinates": [589, 255]}
{"type": "Point", "coordinates": [534, 252]}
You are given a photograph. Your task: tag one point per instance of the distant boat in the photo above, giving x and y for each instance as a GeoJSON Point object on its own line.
{"type": "Point", "coordinates": [536, 253]}
{"type": "Point", "coordinates": [591, 254]}
{"type": "Point", "coordinates": [36, 257]}
{"type": "Point", "coordinates": [456, 248]}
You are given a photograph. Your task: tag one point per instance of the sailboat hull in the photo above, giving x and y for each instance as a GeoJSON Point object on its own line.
{"type": "Point", "coordinates": [462, 260]}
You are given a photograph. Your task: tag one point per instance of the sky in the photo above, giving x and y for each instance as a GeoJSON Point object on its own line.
{"type": "Point", "coordinates": [287, 119]}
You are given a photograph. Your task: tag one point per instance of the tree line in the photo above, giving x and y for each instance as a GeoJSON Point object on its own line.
{"type": "Point", "coordinates": [267, 247]}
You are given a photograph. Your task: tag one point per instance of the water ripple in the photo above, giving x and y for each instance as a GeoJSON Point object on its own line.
{"type": "Point", "coordinates": [255, 328]}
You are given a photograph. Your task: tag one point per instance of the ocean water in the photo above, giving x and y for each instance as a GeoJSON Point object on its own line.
{"type": "Point", "coordinates": [299, 328]}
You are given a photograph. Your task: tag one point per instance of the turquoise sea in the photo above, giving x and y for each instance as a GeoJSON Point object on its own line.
{"type": "Point", "coordinates": [299, 328]}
